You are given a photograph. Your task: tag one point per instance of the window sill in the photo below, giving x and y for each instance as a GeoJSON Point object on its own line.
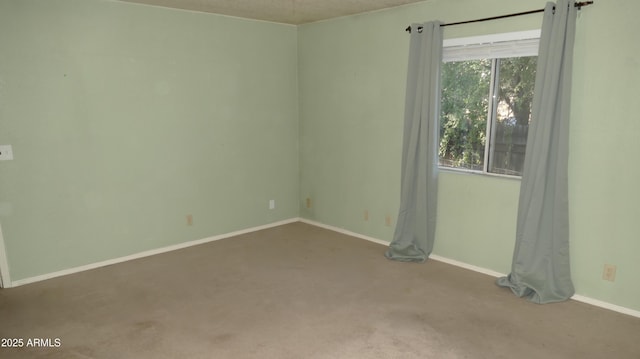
{"type": "Point", "coordinates": [462, 171]}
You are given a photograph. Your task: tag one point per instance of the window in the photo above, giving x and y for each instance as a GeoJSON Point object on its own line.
{"type": "Point", "coordinates": [487, 89]}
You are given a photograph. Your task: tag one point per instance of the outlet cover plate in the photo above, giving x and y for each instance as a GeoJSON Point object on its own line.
{"type": "Point", "coordinates": [6, 153]}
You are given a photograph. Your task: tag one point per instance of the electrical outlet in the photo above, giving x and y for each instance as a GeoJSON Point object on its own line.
{"type": "Point", "coordinates": [366, 214]}
{"type": "Point", "coordinates": [609, 272]}
{"type": "Point", "coordinates": [308, 202]}
{"type": "Point", "coordinates": [272, 204]}
{"type": "Point", "coordinates": [6, 153]}
{"type": "Point", "coordinates": [387, 220]}
{"type": "Point", "coordinates": [189, 220]}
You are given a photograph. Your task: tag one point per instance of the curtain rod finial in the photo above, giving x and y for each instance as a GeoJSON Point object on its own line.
{"type": "Point", "coordinates": [579, 5]}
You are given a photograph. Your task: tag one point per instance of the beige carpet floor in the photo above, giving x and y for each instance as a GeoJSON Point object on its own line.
{"type": "Point", "coordinates": [299, 291]}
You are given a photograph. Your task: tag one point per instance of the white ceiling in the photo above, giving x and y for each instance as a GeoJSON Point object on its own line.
{"type": "Point", "coordinates": [284, 11]}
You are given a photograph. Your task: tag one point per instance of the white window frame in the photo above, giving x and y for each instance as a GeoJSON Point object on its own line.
{"type": "Point", "coordinates": [493, 46]}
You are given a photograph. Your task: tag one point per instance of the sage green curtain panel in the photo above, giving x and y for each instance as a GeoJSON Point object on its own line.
{"type": "Point", "coordinates": [541, 269]}
{"type": "Point", "coordinates": [415, 229]}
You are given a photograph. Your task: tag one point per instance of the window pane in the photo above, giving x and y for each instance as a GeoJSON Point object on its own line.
{"type": "Point", "coordinates": [513, 113]}
{"type": "Point", "coordinates": [463, 121]}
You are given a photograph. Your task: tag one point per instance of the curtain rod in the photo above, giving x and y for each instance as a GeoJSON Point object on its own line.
{"type": "Point", "coordinates": [579, 5]}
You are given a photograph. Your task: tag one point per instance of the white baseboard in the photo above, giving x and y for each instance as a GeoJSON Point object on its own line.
{"type": "Point", "coordinates": [344, 231]}
{"type": "Point", "coordinates": [576, 297]}
{"type": "Point", "coordinates": [148, 253]}
{"type": "Point", "coordinates": [606, 305]}
{"type": "Point", "coordinates": [464, 265]}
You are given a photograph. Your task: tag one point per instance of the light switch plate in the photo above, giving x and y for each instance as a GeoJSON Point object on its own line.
{"type": "Point", "coordinates": [6, 153]}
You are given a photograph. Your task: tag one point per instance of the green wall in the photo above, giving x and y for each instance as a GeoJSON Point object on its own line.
{"type": "Point", "coordinates": [125, 118]}
{"type": "Point", "coordinates": [352, 78]}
